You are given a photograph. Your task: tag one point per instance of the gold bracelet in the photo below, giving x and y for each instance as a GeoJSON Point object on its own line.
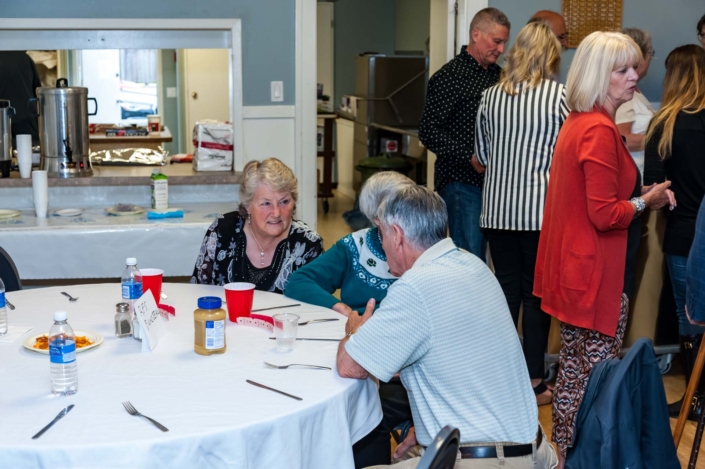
{"type": "Point", "coordinates": [347, 336]}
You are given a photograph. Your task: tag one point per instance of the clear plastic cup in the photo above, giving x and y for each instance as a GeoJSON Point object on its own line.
{"type": "Point", "coordinates": [285, 327]}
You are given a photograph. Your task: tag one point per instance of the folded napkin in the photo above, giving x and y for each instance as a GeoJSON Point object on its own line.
{"type": "Point", "coordinates": [14, 331]}
{"type": "Point", "coordinates": [169, 213]}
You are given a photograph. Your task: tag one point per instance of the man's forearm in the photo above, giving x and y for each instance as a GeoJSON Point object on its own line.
{"type": "Point", "coordinates": [347, 367]}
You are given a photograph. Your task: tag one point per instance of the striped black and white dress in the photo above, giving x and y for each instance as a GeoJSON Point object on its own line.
{"type": "Point", "coordinates": [515, 137]}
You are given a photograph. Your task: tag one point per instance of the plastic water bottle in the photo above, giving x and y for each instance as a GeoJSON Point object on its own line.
{"type": "Point", "coordinates": [131, 291]}
{"type": "Point", "coordinates": [62, 351]}
{"type": "Point", "coordinates": [3, 310]}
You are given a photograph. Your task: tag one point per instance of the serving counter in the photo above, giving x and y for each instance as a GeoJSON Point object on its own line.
{"type": "Point", "coordinates": [95, 244]}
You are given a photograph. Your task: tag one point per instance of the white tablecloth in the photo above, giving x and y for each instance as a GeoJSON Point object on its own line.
{"type": "Point", "coordinates": [215, 418]}
{"type": "Point", "coordinates": [95, 244]}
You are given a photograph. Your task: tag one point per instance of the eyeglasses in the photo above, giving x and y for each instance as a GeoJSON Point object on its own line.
{"type": "Point", "coordinates": [652, 53]}
{"type": "Point", "coordinates": [562, 37]}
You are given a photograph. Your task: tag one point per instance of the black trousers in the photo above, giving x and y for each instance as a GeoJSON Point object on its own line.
{"type": "Point", "coordinates": [514, 259]}
{"type": "Point", "coordinates": [374, 449]}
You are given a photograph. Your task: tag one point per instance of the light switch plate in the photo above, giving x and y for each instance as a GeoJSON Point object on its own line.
{"type": "Point", "coordinates": [277, 91]}
{"type": "Point", "coordinates": [171, 92]}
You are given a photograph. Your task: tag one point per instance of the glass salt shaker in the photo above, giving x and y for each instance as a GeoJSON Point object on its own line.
{"type": "Point", "coordinates": [123, 320]}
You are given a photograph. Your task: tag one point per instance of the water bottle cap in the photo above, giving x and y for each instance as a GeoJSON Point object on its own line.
{"type": "Point", "coordinates": [131, 261]}
{"type": "Point", "coordinates": [60, 316]}
{"type": "Point", "coordinates": [209, 302]}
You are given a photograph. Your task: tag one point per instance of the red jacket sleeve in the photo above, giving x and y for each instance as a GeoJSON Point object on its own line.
{"type": "Point", "coordinates": [599, 159]}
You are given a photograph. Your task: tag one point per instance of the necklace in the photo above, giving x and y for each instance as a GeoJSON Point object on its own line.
{"type": "Point", "coordinates": [261, 253]}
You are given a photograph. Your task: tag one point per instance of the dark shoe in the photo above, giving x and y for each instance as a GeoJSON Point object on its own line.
{"type": "Point", "coordinates": [696, 408]}
{"type": "Point", "coordinates": [674, 409]}
{"type": "Point", "coordinates": [690, 344]}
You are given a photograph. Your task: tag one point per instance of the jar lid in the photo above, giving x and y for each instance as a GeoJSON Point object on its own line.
{"type": "Point", "coordinates": [122, 308]}
{"type": "Point", "coordinates": [209, 302]}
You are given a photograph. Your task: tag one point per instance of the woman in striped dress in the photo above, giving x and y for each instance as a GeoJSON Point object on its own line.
{"type": "Point", "coordinates": [517, 127]}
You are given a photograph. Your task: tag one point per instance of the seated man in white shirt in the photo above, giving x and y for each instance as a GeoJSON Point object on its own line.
{"type": "Point", "coordinates": [445, 326]}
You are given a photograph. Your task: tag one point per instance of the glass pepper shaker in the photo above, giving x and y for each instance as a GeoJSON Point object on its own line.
{"type": "Point", "coordinates": [123, 320]}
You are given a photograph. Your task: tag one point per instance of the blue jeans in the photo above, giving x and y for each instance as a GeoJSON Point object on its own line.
{"type": "Point", "coordinates": [677, 268]}
{"type": "Point", "coordinates": [464, 204]}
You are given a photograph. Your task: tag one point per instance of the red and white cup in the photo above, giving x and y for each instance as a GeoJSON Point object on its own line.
{"type": "Point", "coordinates": [238, 298]}
{"type": "Point", "coordinates": [152, 281]}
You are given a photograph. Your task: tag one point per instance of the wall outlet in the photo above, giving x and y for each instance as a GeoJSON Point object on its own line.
{"type": "Point", "coordinates": [171, 92]}
{"type": "Point", "coordinates": [277, 91]}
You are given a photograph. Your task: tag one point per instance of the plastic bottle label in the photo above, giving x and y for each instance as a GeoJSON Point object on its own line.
{"type": "Point", "coordinates": [131, 291]}
{"type": "Point", "coordinates": [63, 354]}
{"type": "Point", "coordinates": [2, 300]}
{"type": "Point", "coordinates": [160, 194]}
{"type": "Point", "coordinates": [215, 335]}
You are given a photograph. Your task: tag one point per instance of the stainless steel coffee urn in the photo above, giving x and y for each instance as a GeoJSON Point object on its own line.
{"type": "Point", "coordinates": [6, 113]}
{"type": "Point", "coordinates": [63, 129]}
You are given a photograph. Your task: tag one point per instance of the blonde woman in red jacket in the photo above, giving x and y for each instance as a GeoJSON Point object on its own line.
{"type": "Point", "coordinates": [593, 195]}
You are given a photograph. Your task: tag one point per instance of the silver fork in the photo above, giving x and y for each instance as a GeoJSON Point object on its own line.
{"type": "Point", "coordinates": [71, 298]}
{"type": "Point", "coordinates": [318, 320]}
{"type": "Point", "coordinates": [284, 367]}
{"type": "Point", "coordinates": [132, 411]}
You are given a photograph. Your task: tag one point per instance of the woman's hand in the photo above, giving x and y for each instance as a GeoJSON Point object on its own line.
{"type": "Point", "coordinates": [658, 196]}
{"type": "Point", "coordinates": [476, 165]}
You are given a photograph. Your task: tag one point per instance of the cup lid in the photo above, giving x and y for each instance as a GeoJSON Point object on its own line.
{"type": "Point", "coordinates": [209, 302]}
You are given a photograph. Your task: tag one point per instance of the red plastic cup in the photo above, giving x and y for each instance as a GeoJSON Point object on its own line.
{"type": "Point", "coordinates": [238, 297]}
{"type": "Point", "coordinates": [152, 281]}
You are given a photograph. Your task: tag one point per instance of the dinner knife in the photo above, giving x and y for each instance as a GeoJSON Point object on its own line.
{"type": "Point", "coordinates": [275, 390]}
{"type": "Point", "coordinates": [275, 307]}
{"type": "Point", "coordinates": [305, 338]}
{"type": "Point", "coordinates": [56, 419]}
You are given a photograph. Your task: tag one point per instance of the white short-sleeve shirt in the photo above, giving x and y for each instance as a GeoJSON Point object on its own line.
{"type": "Point", "coordinates": [446, 326]}
{"type": "Point", "coordinates": [639, 112]}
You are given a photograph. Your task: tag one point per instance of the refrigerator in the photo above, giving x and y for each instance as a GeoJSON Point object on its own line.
{"type": "Point", "coordinates": [391, 91]}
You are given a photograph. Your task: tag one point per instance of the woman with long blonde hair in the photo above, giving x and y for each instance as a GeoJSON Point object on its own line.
{"type": "Point", "coordinates": [674, 151]}
{"type": "Point", "coordinates": [517, 127]}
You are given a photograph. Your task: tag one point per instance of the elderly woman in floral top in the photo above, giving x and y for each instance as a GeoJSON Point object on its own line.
{"type": "Point", "coordinates": [260, 243]}
{"type": "Point", "coordinates": [356, 265]}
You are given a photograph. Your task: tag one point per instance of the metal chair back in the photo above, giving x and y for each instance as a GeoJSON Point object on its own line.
{"type": "Point", "coordinates": [8, 272]}
{"type": "Point", "coordinates": [442, 453]}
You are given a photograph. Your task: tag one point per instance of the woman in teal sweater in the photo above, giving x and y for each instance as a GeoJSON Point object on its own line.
{"type": "Point", "coordinates": [355, 264]}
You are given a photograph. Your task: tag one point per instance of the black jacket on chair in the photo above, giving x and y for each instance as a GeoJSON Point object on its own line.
{"type": "Point", "coordinates": [623, 419]}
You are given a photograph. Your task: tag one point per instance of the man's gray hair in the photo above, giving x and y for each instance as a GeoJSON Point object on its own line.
{"type": "Point", "coordinates": [419, 212]}
{"type": "Point", "coordinates": [486, 17]}
{"type": "Point", "coordinates": [377, 188]}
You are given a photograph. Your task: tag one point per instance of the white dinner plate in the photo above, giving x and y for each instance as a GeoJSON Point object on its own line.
{"type": "Point", "coordinates": [7, 213]}
{"type": "Point", "coordinates": [69, 212]}
{"type": "Point", "coordinates": [94, 336]}
{"type": "Point", "coordinates": [136, 211]}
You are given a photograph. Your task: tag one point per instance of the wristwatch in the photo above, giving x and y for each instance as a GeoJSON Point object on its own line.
{"type": "Point", "coordinates": [640, 205]}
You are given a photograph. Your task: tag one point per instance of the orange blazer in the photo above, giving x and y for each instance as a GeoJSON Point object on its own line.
{"type": "Point", "coordinates": [583, 243]}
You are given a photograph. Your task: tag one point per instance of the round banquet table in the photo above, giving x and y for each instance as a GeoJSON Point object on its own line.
{"type": "Point", "coordinates": [215, 419]}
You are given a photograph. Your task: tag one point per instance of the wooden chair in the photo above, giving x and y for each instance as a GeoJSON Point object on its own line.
{"type": "Point", "coordinates": [683, 416]}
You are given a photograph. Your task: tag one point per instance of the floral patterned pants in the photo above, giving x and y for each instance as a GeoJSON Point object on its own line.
{"type": "Point", "coordinates": [581, 349]}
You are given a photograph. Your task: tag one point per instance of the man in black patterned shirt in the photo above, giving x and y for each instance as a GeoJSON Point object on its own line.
{"type": "Point", "coordinates": [448, 125]}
